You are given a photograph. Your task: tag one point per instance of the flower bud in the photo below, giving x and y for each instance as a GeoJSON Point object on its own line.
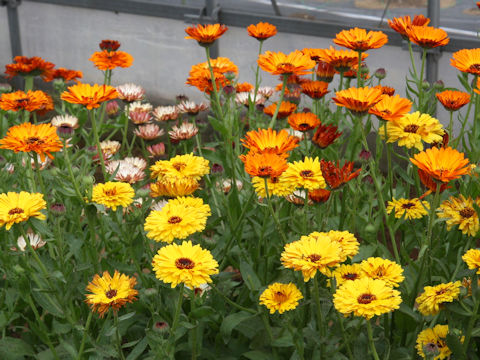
{"type": "Point", "coordinates": [57, 209]}
{"type": "Point", "coordinates": [380, 73]}
{"type": "Point", "coordinates": [88, 180]}
{"type": "Point", "coordinates": [425, 85]}
{"type": "Point", "coordinates": [112, 108]}
{"type": "Point", "coordinates": [438, 85]}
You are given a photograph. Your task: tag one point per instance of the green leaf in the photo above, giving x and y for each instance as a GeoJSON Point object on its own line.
{"type": "Point", "coordinates": [257, 355]}
{"type": "Point", "coordinates": [48, 303]}
{"type": "Point", "coordinates": [11, 349]}
{"type": "Point", "coordinates": [251, 279]}
{"type": "Point", "coordinates": [230, 322]}
{"type": "Point", "coordinates": [455, 345]}
{"type": "Point", "coordinates": [126, 316]}
{"type": "Point", "coordinates": [138, 349]}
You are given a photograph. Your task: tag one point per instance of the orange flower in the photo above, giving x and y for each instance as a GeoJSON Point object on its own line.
{"type": "Point", "coordinates": [205, 34]}
{"type": "Point", "coordinates": [391, 108]}
{"type": "Point", "coordinates": [444, 164]}
{"type": "Point", "coordinates": [336, 176]}
{"type": "Point", "coordinates": [244, 87]}
{"type": "Point", "coordinates": [325, 135]}
{"type": "Point", "coordinates": [352, 72]}
{"type": "Point", "coordinates": [268, 140]}
{"type": "Point", "coordinates": [358, 100]}
{"type": "Point", "coordinates": [315, 89]}
{"type": "Point", "coordinates": [325, 71]}
{"type": "Point", "coordinates": [401, 24]}
{"type": "Point", "coordinates": [109, 60]}
{"type": "Point", "coordinates": [477, 89]}
{"type": "Point", "coordinates": [319, 195]}
{"type": "Point", "coordinates": [109, 45]}
{"type": "Point", "coordinates": [220, 65]}
{"type": "Point", "coordinates": [202, 80]}
{"type": "Point", "coordinates": [278, 63]}
{"type": "Point", "coordinates": [48, 106]}
{"type": "Point", "coordinates": [262, 31]}
{"type": "Point", "coordinates": [303, 121]}
{"type": "Point", "coordinates": [30, 101]}
{"type": "Point", "coordinates": [386, 90]}
{"type": "Point", "coordinates": [26, 137]}
{"type": "Point", "coordinates": [65, 74]}
{"type": "Point", "coordinates": [88, 95]}
{"type": "Point", "coordinates": [360, 40]}
{"type": "Point", "coordinates": [24, 66]}
{"type": "Point", "coordinates": [266, 164]}
{"type": "Point", "coordinates": [430, 183]}
{"type": "Point", "coordinates": [453, 100]}
{"type": "Point", "coordinates": [427, 36]}
{"type": "Point", "coordinates": [467, 60]}
{"type": "Point", "coordinates": [286, 108]}
{"type": "Point", "coordinates": [341, 60]}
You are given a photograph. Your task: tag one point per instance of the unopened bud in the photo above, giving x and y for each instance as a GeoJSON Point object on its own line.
{"type": "Point", "coordinates": [380, 73]}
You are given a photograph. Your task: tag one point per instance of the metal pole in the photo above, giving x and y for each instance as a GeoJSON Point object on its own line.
{"type": "Point", "coordinates": [433, 12]}
{"type": "Point", "coordinates": [14, 27]}
{"type": "Point", "coordinates": [212, 13]}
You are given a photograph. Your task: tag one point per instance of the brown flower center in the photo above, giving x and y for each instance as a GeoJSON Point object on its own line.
{"type": "Point", "coordinates": [184, 263]}
{"type": "Point", "coordinates": [441, 292]}
{"type": "Point", "coordinates": [111, 192]}
{"type": "Point", "coordinates": [274, 180]}
{"type": "Point", "coordinates": [306, 173]}
{"type": "Point", "coordinates": [314, 257]}
{"type": "Point", "coordinates": [33, 140]}
{"type": "Point", "coordinates": [366, 298]}
{"type": "Point", "coordinates": [350, 276]}
{"type": "Point", "coordinates": [304, 126]}
{"type": "Point", "coordinates": [265, 170]}
{"type": "Point", "coordinates": [474, 67]}
{"type": "Point", "coordinates": [174, 220]}
{"type": "Point", "coordinates": [408, 205]}
{"type": "Point", "coordinates": [467, 212]}
{"type": "Point", "coordinates": [111, 293]}
{"type": "Point", "coordinates": [411, 128]}
{"type": "Point", "coordinates": [280, 297]}
{"type": "Point", "coordinates": [179, 166]}
{"type": "Point", "coordinates": [15, 211]}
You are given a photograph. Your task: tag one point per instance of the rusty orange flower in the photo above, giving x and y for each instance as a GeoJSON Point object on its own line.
{"type": "Point", "coordinates": [401, 24]}
{"type": "Point", "coordinates": [340, 60]}
{"type": "Point", "coordinates": [360, 40]}
{"type": "Point", "coordinates": [386, 90]}
{"type": "Point", "coordinates": [391, 108]}
{"type": "Point", "coordinates": [319, 195]}
{"type": "Point", "coordinates": [266, 164]}
{"type": "Point", "coordinates": [453, 100]}
{"type": "Point", "coordinates": [286, 108]}
{"type": "Point", "coordinates": [352, 72]}
{"type": "Point", "coordinates": [220, 65]}
{"type": "Point", "coordinates": [467, 60]}
{"type": "Point", "coordinates": [358, 100]}
{"type": "Point", "coordinates": [262, 31]}
{"type": "Point", "coordinates": [325, 135]}
{"type": "Point", "coordinates": [335, 176]}
{"type": "Point", "coordinates": [109, 45]}
{"type": "Point", "coordinates": [303, 121]}
{"type": "Point", "coordinates": [29, 101]}
{"type": "Point", "coordinates": [202, 80]}
{"type": "Point", "coordinates": [109, 60]}
{"type": "Point", "coordinates": [244, 87]}
{"type": "Point", "coordinates": [268, 140]}
{"type": "Point", "coordinates": [430, 183]}
{"type": "Point", "coordinates": [427, 36]}
{"type": "Point", "coordinates": [88, 95]}
{"type": "Point", "coordinates": [325, 71]}
{"type": "Point", "coordinates": [65, 74]}
{"type": "Point", "coordinates": [41, 139]}
{"type": "Point", "coordinates": [205, 34]}
{"type": "Point", "coordinates": [314, 89]}
{"type": "Point", "coordinates": [24, 66]}
{"type": "Point", "coordinates": [278, 63]}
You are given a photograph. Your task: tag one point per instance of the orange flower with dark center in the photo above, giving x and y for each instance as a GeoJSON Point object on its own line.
{"type": "Point", "coordinates": [109, 60]}
{"type": "Point", "coordinates": [391, 108]}
{"type": "Point", "coordinates": [286, 108]}
{"type": "Point", "coordinates": [24, 66]}
{"type": "Point", "coordinates": [360, 40]}
{"type": "Point", "coordinates": [352, 72]}
{"type": "Point", "coordinates": [109, 45]}
{"type": "Point", "coordinates": [444, 164]}
{"type": "Point", "coordinates": [319, 195]}
{"type": "Point", "coordinates": [303, 121]}
{"type": "Point", "coordinates": [386, 90]}
{"type": "Point", "coordinates": [205, 34]}
{"type": "Point", "coordinates": [26, 137]}
{"type": "Point", "coordinates": [202, 80]}
{"type": "Point", "coordinates": [453, 100]}
{"type": "Point", "coordinates": [65, 74]}
{"type": "Point", "coordinates": [47, 106]}
{"type": "Point", "coordinates": [88, 95]}
{"type": "Point", "coordinates": [358, 100]}
{"type": "Point", "coordinates": [427, 36]}
{"type": "Point", "coordinates": [341, 60]}
{"type": "Point", "coordinates": [401, 24]}
{"type": "Point", "coordinates": [336, 176]}
{"type": "Point", "coordinates": [278, 63]}
{"type": "Point", "coordinates": [268, 140]}
{"type": "Point", "coordinates": [314, 54]}
{"type": "Point", "coordinates": [29, 101]}
{"type": "Point", "coordinates": [220, 65]}
{"type": "Point", "coordinates": [267, 164]}
{"type": "Point", "coordinates": [325, 135]}
{"type": "Point", "coordinates": [244, 87]}
{"type": "Point", "coordinates": [315, 89]}
{"type": "Point", "coordinates": [467, 60]}
{"type": "Point", "coordinates": [262, 31]}
{"type": "Point", "coordinates": [325, 71]}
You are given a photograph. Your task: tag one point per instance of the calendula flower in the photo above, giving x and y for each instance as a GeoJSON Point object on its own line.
{"type": "Point", "coordinates": [277, 186]}
{"type": "Point", "coordinates": [24, 66]}
{"type": "Point", "coordinates": [244, 87]}
{"type": "Point", "coordinates": [30, 101]}
{"type": "Point", "coordinates": [27, 137]}
{"type": "Point", "coordinates": [268, 140]}
{"type": "Point", "coordinates": [125, 171]}
{"type": "Point", "coordinates": [325, 71]}
{"type": "Point", "coordinates": [366, 297]}
{"type": "Point", "coordinates": [183, 132]}
{"type": "Point", "coordinates": [360, 40]}
{"type": "Point", "coordinates": [472, 259]}
{"type": "Point", "coordinates": [345, 273]}
{"type": "Point", "coordinates": [109, 148]}
{"type": "Point", "coordinates": [89, 96]}
{"type": "Point", "coordinates": [303, 121]}
{"type": "Point", "coordinates": [149, 131]}
{"type": "Point", "coordinates": [245, 98]}
{"type": "Point", "coordinates": [391, 108]}
{"type": "Point", "coordinates": [156, 150]}
{"type": "Point", "coordinates": [110, 45]}
{"type": "Point", "coordinates": [315, 89]}
{"type": "Point", "coordinates": [220, 65]}
{"type": "Point", "coordinates": [191, 108]}
{"type": "Point", "coordinates": [130, 92]}
{"type": "Point", "coordinates": [383, 269]}
{"type": "Point", "coordinates": [427, 36]}
{"type": "Point", "coordinates": [186, 263]}
{"type": "Point", "coordinates": [19, 207]}
{"type": "Point", "coordinates": [358, 100]}
{"type": "Point", "coordinates": [410, 208]}
{"type": "Point", "coordinates": [265, 91]}
{"type": "Point", "coordinates": [298, 197]}
{"type": "Point", "coordinates": [65, 120]}
{"type": "Point", "coordinates": [108, 292]}
{"type": "Point", "coordinates": [180, 168]}
{"type": "Point", "coordinates": [35, 241]}
{"type": "Point", "coordinates": [453, 100]}
{"type": "Point", "coordinates": [444, 164]}
{"type": "Point", "coordinates": [325, 135]}
{"type": "Point", "coordinates": [286, 108]}
{"type": "Point", "coordinates": [460, 211]}
{"type": "Point", "coordinates": [202, 80]}
{"type": "Point", "coordinates": [109, 60]}
{"type": "Point", "coordinates": [262, 31]}
{"type": "Point", "coordinates": [432, 343]}
{"type": "Point", "coordinates": [278, 63]}
{"type": "Point", "coordinates": [281, 297]}
{"type": "Point", "coordinates": [139, 116]}
{"type": "Point", "coordinates": [113, 194]}
{"type": "Point", "coordinates": [340, 60]}
{"type": "Point", "coordinates": [431, 301]}
{"type": "Point", "coordinates": [180, 218]}
{"type": "Point", "coordinates": [205, 34]}
{"type": "Point", "coordinates": [467, 60]}
{"type": "Point", "coordinates": [306, 174]}
{"type": "Point", "coordinates": [267, 164]}
{"type": "Point", "coordinates": [64, 74]}
{"type": "Point", "coordinates": [165, 113]}
{"type": "Point", "coordinates": [347, 241]}
{"type": "Point", "coordinates": [173, 189]}
{"type": "Point", "coordinates": [386, 90]}
{"type": "Point", "coordinates": [319, 195]}
{"type": "Point", "coordinates": [400, 24]}
{"type": "Point", "coordinates": [310, 254]}
{"type": "Point", "coordinates": [336, 176]}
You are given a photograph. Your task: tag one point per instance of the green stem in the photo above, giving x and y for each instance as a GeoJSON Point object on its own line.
{"type": "Point", "coordinates": [473, 318]}
{"type": "Point", "coordinates": [346, 341]}
{"type": "Point", "coordinates": [473, 95]}
{"type": "Point", "coordinates": [298, 344]}
{"type": "Point", "coordinates": [176, 316]}
{"type": "Point", "coordinates": [359, 72]}
{"type": "Point", "coordinates": [125, 126]}
{"type": "Point", "coordinates": [279, 103]}
{"type": "Point", "coordinates": [68, 161]}
{"type": "Point", "coordinates": [84, 337]}
{"type": "Point", "coordinates": [231, 302]}
{"type": "Point", "coordinates": [30, 175]}
{"type": "Point", "coordinates": [214, 86]}
{"type": "Point", "coordinates": [257, 83]}
{"type": "Point", "coordinates": [97, 142]}
{"type": "Point", "coordinates": [266, 323]}
{"type": "Point", "coordinates": [389, 162]}
{"type": "Point", "coordinates": [431, 220]}
{"type": "Point", "coordinates": [28, 83]}
{"type": "Point", "coordinates": [118, 338]}
{"type": "Point", "coordinates": [370, 341]}
{"type": "Point", "coordinates": [420, 81]}
{"type": "Point", "coordinates": [275, 217]}
{"type": "Point", "coordinates": [450, 125]}
{"type": "Point", "coordinates": [412, 60]}
{"type": "Point", "coordinates": [320, 320]}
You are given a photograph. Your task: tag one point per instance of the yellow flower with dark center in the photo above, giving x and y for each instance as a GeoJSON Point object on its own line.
{"type": "Point", "coordinates": [366, 297]}
{"type": "Point", "coordinates": [360, 40]}
{"type": "Point", "coordinates": [431, 301]}
{"type": "Point", "coordinates": [383, 269]}
{"type": "Point", "coordinates": [178, 219]}
{"type": "Point", "coordinates": [281, 297]}
{"type": "Point", "coordinates": [410, 208]}
{"type": "Point", "coordinates": [345, 273]}
{"type": "Point", "coordinates": [305, 174]}
{"type": "Point", "coordinates": [108, 292]}
{"type": "Point", "coordinates": [186, 263]}
{"type": "Point", "coordinates": [472, 258]}
{"type": "Point", "coordinates": [277, 186]}
{"type": "Point", "coordinates": [113, 194]}
{"type": "Point", "coordinates": [460, 211]}
{"type": "Point", "coordinates": [19, 207]}
{"type": "Point", "coordinates": [181, 168]}
{"type": "Point", "coordinates": [310, 254]}
{"type": "Point", "coordinates": [432, 344]}
{"type": "Point", "coordinates": [347, 241]}
{"type": "Point", "coordinates": [173, 189]}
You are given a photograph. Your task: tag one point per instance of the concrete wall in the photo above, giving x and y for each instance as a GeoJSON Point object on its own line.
{"type": "Point", "coordinates": [5, 52]}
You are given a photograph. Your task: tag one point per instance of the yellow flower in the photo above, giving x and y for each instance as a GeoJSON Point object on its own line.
{"type": "Point", "coordinates": [412, 129]}
{"type": "Point", "coordinates": [281, 297]}
{"type": "Point", "coordinates": [181, 168]}
{"type": "Point", "coordinates": [185, 263]}
{"type": "Point", "coordinates": [460, 211]}
{"type": "Point", "coordinates": [383, 269]}
{"type": "Point", "coordinates": [345, 273]}
{"type": "Point", "coordinates": [276, 186]}
{"type": "Point", "coordinates": [19, 207]}
{"type": "Point", "coordinates": [113, 194]}
{"type": "Point", "coordinates": [366, 297]}
{"type": "Point", "coordinates": [178, 219]}
{"type": "Point", "coordinates": [310, 254]}
{"type": "Point", "coordinates": [174, 189]}
{"type": "Point", "coordinates": [432, 342]}
{"type": "Point", "coordinates": [305, 174]}
{"type": "Point", "coordinates": [472, 258]}
{"type": "Point", "coordinates": [411, 208]}
{"type": "Point", "coordinates": [347, 241]}
{"type": "Point", "coordinates": [108, 292]}
{"type": "Point", "coordinates": [431, 300]}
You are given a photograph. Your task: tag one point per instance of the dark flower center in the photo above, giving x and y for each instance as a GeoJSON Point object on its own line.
{"type": "Point", "coordinates": [33, 140]}
{"type": "Point", "coordinates": [179, 166]}
{"type": "Point", "coordinates": [306, 173]}
{"type": "Point", "coordinates": [350, 276]}
{"type": "Point", "coordinates": [314, 257]}
{"type": "Point", "coordinates": [274, 180]}
{"type": "Point", "coordinates": [474, 67]}
{"type": "Point", "coordinates": [441, 292]}
{"type": "Point", "coordinates": [111, 192]}
{"type": "Point", "coordinates": [280, 297]}
{"type": "Point", "coordinates": [15, 211]}
{"type": "Point", "coordinates": [265, 170]}
{"type": "Point", "coordinates": [304, 126]}
{"type": "Point", "coordinates": [411, 128]}
{"type": "Point", "coordinates": [111, 293]}
{"type": "Point", "coordinates": [174, 220]}
{"type": "Point", "coordinates": [408, 205]}
{"type": "Point", "coordinates": [184, 263]}
{"type": "Point", "coordinates": [366, 298]}
{"type": "Point", "coordinates": [467, 212]}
